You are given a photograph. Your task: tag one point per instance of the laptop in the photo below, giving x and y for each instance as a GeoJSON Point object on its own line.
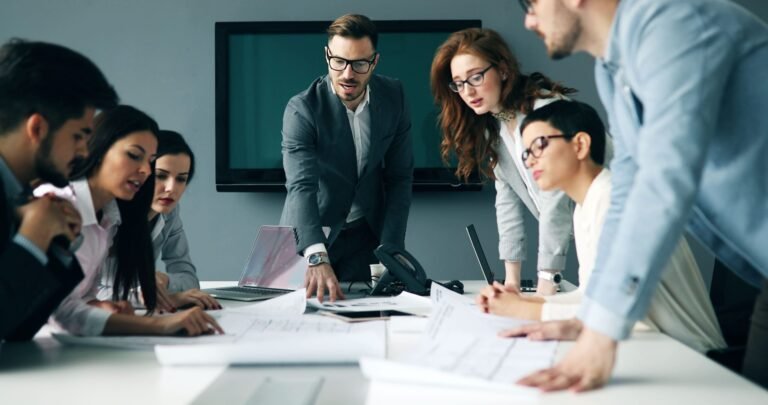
{"type": "Point", "coordinates": [525, 285]}
{"type": "Point", "coordinates": [273, 268]}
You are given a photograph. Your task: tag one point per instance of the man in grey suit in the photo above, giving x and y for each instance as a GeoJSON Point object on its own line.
{"type": "Point", "coordinates": [348, 161]}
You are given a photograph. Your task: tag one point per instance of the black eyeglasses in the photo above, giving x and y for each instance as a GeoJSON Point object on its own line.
{"type": "Point", "coordinates": [527, 6]}
{"type": "Point", "coordinates": [538, 145]}
{"type": "Point", "coordinates": [338, 64]}
{"type": "Point", "coordinates": [474, 81]}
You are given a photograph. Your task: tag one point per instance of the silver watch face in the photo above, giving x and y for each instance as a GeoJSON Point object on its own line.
{"type": "Point", "coordinates": [315, 259]}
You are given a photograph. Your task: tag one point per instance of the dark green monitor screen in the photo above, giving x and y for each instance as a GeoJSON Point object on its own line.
{"type": "Point", "coordinates": [260, 66]}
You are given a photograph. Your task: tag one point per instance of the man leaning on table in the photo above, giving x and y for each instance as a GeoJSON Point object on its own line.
{"type": "Point", "coordinates": [684, 85]}
{"type": "Point", "coordinates": [348, 161]}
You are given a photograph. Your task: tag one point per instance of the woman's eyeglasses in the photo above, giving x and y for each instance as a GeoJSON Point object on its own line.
{"type": "Point", "coordinates": [538, 145]}
{"type": "Point", "coordinates": [475, 80]}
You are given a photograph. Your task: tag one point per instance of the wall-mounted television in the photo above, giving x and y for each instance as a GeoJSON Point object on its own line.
{"type": "Point", "coordinates": [261, 65]}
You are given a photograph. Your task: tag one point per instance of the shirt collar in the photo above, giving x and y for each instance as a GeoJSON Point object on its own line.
{"type": "Point", "coordinates": [612, 58]}
{"type": "Point", "coordinates": [159, 225]}
{"type": "Point", "coordinates": [11, 184]}
{"type": "Point", "coordinates": [601, 181]}
{"type": "Point", "coordinates": [84, 204]}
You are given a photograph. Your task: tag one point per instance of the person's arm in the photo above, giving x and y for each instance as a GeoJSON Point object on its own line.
{"type": "Point", "coordinates": [24, 284]}
{"type": "Point", "coordinates": [508, 301]}
{"type": "Point", "coordinates": [301, 209]}
{"type": "Point", "coordinates": [555, 234]}
{"type": "Point", "coordinates": [398, 178]}
{"type": "Point", "coordinates": [680, 67]}
{"type": "Point", "coordinates": [31, 283]}
{"type": "Point", "coordinates": [182, 274]}
{"type": "Point", "coordinates": [509, 220]}
{"type": "Point", "coordinates": [302, 175]}
{"type": "Point", "coordinates": [191, 322]}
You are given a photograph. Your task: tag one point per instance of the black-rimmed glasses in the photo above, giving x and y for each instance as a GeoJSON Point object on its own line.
{"type": "Point", "coordinates": [527, 6]}
{"type": "Point", "coordinates": [338, 64]}
{"type": "Point", "coordinates": [538, 145]}
{"type": "Point", "coordinates": [475, 80]}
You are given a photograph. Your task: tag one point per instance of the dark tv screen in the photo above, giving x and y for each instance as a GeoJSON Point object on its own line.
{"type": "Point", "coordinates": [261, 65]}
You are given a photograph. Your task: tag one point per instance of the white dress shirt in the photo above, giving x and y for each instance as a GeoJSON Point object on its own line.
{"type": "Point", "coordinates": [680, 308]}
{"type": "Point", "coordinates": [360, 124]}
{"type": "Point", "coordinates": [74, 314]}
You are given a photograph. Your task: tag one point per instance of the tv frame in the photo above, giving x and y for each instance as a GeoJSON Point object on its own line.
{"type": "Point", "coordinates": [229, 179]}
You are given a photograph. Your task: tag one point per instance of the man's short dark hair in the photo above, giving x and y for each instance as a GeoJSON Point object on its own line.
{"type": "Point", "coordinates": [570, 118]}
{"type": "Point", "coordinates": [354, 26]}
{"type": "Point", "coordinates": [51, 80]}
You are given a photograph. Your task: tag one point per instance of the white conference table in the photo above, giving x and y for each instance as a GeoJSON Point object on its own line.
{"type": "Point", "coordinates": [651, 369]}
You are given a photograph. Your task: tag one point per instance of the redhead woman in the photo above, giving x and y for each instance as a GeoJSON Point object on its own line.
{"type": "Point", "coordinates": [484, 98]}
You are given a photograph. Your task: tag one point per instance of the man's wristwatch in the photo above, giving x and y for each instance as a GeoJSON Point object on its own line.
{"type": "Point", "coordinates": [316, 259]}
{"type": "Point", "coordinates": [553, 277]}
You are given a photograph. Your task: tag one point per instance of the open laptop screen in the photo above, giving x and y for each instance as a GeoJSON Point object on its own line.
{"type": "Point", "coordinates": [273, 262]}
{"type": "Point", "coordinates": [477, 248]}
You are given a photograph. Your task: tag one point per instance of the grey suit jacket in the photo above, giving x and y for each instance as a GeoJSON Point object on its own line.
{"type": "Point", "coordinates": [321, 170]}
{"type": "Point", "coordinates": [512, 197]}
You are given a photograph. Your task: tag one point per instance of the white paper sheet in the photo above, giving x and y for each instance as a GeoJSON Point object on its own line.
{"type": "Point", "coordinates": [305, 340]}
{"type": "Point", "coordinates": [461, 349]}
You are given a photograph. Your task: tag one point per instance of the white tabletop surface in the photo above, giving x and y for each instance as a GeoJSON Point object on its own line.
{"type": "Point", "coordinates": [651, 369]}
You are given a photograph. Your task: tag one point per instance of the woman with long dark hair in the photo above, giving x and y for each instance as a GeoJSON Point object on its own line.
{"type": "Point", "coordinates": [178, 285]}
{"type": "Point", "coordinates": [484, 97]}
{"type": "Point", "coordinates": [113, 192]}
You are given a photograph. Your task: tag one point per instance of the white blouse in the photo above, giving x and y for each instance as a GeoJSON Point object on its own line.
{"type": "Point", "coordinates": [680, 308]}
{"type": "Point", "coordinates": [74, 314]}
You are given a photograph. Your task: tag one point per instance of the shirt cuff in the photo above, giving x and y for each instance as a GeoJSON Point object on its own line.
{"type": "Point", "coordinates": [31, 248]}
{"type": "Point", "coordinates": [317, 247]}
{"type": "Point", "coordinates": [551, 263]}
{"type": "Point", "coordinates": [601, 319]}
{"type": "Point", "coordinates": [95, 321]}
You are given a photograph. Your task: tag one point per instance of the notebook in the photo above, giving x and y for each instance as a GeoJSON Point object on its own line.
{"type": "Point", "coordinates": [273, 268]}
{"type": "Point", "coordinates": [525, 285]}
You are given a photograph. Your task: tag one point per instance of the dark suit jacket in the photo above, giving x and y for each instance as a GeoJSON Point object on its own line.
{"type": "Point", "coordinates": [321, 169]}
{"type": "Point", "coordinates": [29, 291]}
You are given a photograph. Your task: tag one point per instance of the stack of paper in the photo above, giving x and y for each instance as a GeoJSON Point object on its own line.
{"type": "Point", "coordinates": [461, 349]}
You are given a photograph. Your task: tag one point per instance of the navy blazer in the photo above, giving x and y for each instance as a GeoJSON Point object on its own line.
{"type": "Point", "coordinates": [321, 170]}
{"type": "Point", "coordinates": [29, 291]}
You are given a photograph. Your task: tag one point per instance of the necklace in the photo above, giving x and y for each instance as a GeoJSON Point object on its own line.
{"type": "Point", "coordinates": [504, 116]}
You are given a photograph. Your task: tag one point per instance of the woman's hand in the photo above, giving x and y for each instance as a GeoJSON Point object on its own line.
{"type": "Point", "coordinates": [568, 329]}
{"type": "Point", "coordinates": [164, 301]}
{"type": "Point", "coordinates": [194, 297]}
{"type": "Point", "coordinates": [508, 301]}
{"type": "Point", "coordinates": [193, 322]}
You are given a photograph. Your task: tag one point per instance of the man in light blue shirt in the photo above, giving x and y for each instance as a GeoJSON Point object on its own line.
{"type": "Point", "coordinates": [684, 84]}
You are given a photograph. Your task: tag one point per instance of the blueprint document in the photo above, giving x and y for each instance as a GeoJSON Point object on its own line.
{"type": "Point", "coordinates": [272, 331]}
{"type": "Point", "coordinates": [461, 349]}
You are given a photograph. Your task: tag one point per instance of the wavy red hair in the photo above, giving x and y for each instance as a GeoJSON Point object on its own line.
{"type": "Point", "coordinates": [464, 132]}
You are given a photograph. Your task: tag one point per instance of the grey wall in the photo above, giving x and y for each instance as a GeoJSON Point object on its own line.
{"type": "Point", "coordinates": [160, 57]}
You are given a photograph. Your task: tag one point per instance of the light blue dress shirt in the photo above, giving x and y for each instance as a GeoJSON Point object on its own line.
{"type": "Point", "coordinates": [685, 85]}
